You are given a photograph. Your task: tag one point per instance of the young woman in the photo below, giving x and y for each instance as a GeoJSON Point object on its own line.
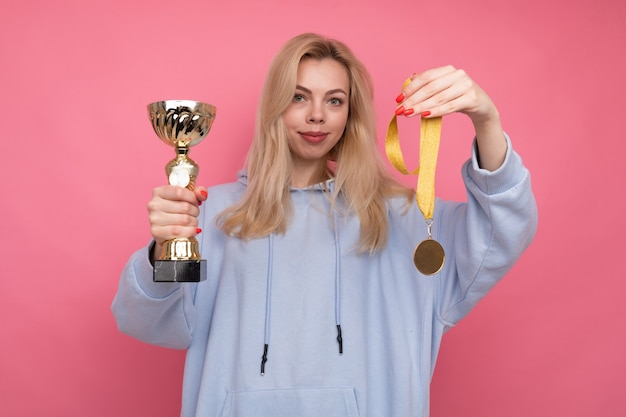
{"type": "Point", "coordinates": [312, 305]}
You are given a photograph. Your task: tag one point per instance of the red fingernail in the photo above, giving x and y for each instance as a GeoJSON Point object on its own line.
{"type": "Point", "coordinates": [400, 98]}
{"type": "Point", "coordinates": [425, 113]}
{"type": "Point", "coordinates": [400, 110]}
{"type": "Point", "coordinates": [199, 203]}
{"type": "Point", "coordinates": [204, 194]}
{"type": "Point", "coordinates": [198, 231]}
{"type": "Point", "coordinates": [408, 112]}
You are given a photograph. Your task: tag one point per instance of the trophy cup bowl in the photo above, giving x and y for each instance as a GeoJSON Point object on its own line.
{"type": "Point", "coordinates": [181, 124]}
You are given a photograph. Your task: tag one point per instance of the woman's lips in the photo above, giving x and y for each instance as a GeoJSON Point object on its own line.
{"type": "Point", "coordinates": [313, 137]}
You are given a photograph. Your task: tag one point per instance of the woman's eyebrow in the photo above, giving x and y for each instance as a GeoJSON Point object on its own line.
{"type": "Point", "coordinates": [336, 90]}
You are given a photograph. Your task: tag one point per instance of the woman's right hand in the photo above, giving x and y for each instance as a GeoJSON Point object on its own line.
{"type": "Point", "coordinates": [173, 213]}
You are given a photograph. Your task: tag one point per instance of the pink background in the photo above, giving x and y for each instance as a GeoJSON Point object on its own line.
{"type": "Point", "coordinates": [79, 161]}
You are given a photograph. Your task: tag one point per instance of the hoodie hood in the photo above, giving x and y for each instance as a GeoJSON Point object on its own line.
{"type": "Point", "coordinates": [242, 178]}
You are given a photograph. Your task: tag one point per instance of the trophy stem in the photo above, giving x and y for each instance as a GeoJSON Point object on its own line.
{"type": "Point", "coordinates": [182, 149]}
{"type": "Point", "coordinates": [182, 170]}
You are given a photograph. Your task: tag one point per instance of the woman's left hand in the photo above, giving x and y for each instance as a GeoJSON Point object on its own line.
{"type": "Point", "coordinates": [445, 90]}
{"type": "Point", "coordinates": [441, 91]}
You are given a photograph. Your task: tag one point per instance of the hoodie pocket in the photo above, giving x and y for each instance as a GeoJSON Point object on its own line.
{"type": "Point", "coordinates": [303, 402]}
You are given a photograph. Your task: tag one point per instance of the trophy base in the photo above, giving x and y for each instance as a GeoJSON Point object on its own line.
{"type": "Point", "coordinates": [179, 270]}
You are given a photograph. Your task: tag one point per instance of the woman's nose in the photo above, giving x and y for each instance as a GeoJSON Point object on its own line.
{"type": "Point", "coordinates": [316, 114]}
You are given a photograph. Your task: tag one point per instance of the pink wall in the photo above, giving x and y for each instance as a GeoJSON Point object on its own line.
{"type": "Point", "coordinates": [79, 161]}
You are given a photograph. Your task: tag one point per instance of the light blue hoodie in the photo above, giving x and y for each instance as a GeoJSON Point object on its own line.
{"type": "Point", "coordinates": [291, 293]}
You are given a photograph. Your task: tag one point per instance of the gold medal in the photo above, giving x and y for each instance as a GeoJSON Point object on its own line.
{"type": "Point", "coordinates": [429, 255]}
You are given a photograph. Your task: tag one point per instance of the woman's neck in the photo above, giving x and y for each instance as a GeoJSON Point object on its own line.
{"type": "Point", "coordinates": [304, 176]}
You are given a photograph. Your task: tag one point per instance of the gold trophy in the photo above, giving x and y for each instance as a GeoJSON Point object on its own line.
{"type": "Point", "coordinates": [181, 124]}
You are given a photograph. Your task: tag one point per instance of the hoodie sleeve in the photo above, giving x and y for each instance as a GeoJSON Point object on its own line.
{"type": "Point", "coordinates": [487, 235]}
{"type": "Point", "coordinates": [164, 313]}
{"type": "Point", "coordinates": [159, 313]}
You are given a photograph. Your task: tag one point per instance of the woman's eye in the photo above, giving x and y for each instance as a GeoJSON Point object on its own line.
{"type": "Point", "coordinates": [336, 101]}
{"type": "Point", "coordinates": [298, 97]}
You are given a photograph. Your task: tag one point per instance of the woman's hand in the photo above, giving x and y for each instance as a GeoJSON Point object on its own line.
{"type": "Point", "coordinates": [173, 213]}
{"type": "Point", "coordinates": [445, 90]}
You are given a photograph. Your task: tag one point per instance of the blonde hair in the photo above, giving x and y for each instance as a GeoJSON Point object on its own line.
{"type": "Point", "coordinates": [362, 182]}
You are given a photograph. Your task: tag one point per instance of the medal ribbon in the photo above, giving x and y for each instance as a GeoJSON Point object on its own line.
{"type": "Point", "coordinates": [430, 135]}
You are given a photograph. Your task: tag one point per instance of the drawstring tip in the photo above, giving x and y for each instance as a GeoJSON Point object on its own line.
{"type": "Point", "coordinates": [264, 359]}
{"type": "Point", "coordinates": [339, 339]}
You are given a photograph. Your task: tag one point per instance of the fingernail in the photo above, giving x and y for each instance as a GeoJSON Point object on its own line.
{"type": "Point", "coordinates": [425, 113]}
{"type": "Point", "coordinates": [199, 203]}
{"type": "Point", "coordinates": [408, 112]}
{"type": "Point", "coordinates": [198, 231]}
{"type": "Point", "coordinates": [204, 194]}
{"type": "Point", "coordinates": [400, 110]}
{"type": "Point", "coordinates": [400, 98]}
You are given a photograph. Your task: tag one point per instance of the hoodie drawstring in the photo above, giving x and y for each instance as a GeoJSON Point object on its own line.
{"type": "Point", "coordinates": [337, 285]}
{"type": "Point", "coordinates": [268, 302]}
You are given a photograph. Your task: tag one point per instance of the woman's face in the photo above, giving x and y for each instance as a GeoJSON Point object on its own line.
{"type": "Point", "coordinates": [316, 118]}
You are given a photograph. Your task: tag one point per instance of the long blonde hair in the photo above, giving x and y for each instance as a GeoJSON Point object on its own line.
{"type": "Point", "coordinates": [362, 181]}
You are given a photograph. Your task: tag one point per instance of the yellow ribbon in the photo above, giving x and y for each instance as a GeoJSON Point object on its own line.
{"type": "Point", "coordinates": [430, 135]}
